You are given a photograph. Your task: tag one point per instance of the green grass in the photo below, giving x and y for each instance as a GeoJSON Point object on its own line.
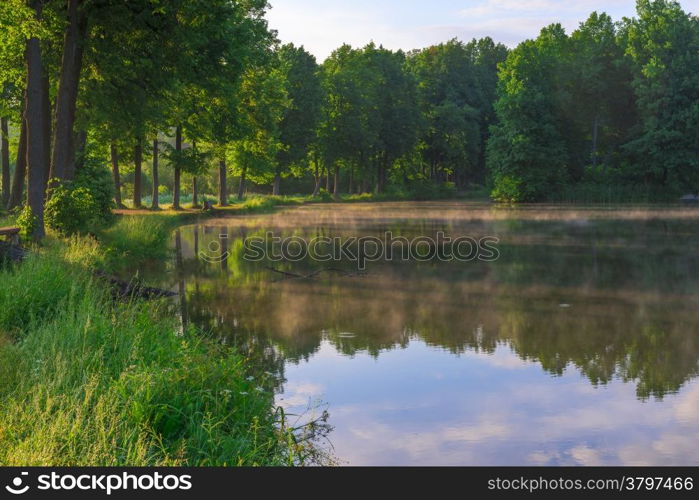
{"type": "Point", "coordinates": [85, 380]}
{"type": "Point", "coordinates": [137, 238]}
{"type": "Point", "coordinates": [7, 219]}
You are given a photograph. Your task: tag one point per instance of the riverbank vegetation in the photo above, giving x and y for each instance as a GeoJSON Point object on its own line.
{"type": "Point", "coordinates": [87, 380]}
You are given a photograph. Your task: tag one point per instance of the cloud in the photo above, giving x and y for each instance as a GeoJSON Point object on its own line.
{"type": "Point", "coordinates": [586, 456]}
{"type": "Point", "coordinates": [322, 26]}
{"type": "Point", "coordinates": [508, 7]}
{"type": "Point", "coordinates": [298, 394]}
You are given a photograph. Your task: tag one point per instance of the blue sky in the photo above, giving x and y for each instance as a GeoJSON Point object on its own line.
{"type": "Point", "coordinates": [323, 25]}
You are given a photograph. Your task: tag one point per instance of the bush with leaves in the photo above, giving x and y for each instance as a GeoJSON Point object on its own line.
{"type": "Point", "coordinates": [96, 178]}
{"type": "Point", "coordinates": [71, 209]}
{"type": "Point", "coordinates": [27, 222]}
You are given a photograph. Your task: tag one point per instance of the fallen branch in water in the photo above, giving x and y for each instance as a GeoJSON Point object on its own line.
{"type": "Point", "coordinates": [288, 275]}
{"type": "Point", "coordinates": [295, 276]}
{"type": "Point", "coordinates": [127, 289]}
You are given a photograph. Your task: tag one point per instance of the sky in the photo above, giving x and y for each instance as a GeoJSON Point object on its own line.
{"type": "Point", "coordinates": [323, 25]}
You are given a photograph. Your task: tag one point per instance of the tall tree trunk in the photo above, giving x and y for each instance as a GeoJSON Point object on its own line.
{"type": "Point", "coordinates": [195, 192]}
{"type": "Point", "coordinates": [137, 174]}
{"type": "Point", "coordinates": [155, 205]}
{"type": "Point", "coordinates": [63, 162]}
{"type": "Point", "coordinates": [178, 172]}
{"type": "Point", "coordinates": [46, 105]}
{"type": "Point", "coordinates": [327, 179]}
{"type": "Point", "coordinates": [241, 186]}
{"type": "Point", "coordinates": [351, 181]}
{"type": "Point", "coordinates": [80, 147]}
{"type": "Point", "coordinates": [36, 116]}
{"type": "Point", "coordinates": [20, 169]}
{"type": "Point", "coordinates": [5, 154]}
{"type": "Point", "coordinates": [277, 184]}
{"type": "Point", "coordinates": [336, 190]}
{"type": "Point", "coordinates": [316, 178]}
{"type": "Point", "coordinates": [222, 183]}
{"type": "Point", "coordinates": [595, 135]}
{"type": "Point", "coordinates": [117, 176]}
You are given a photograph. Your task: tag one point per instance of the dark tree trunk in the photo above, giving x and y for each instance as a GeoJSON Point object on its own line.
{"type": "Point", "coordinates": [327, 179]}
{"type": "Point", "coordinates": [277, 184]}
{"type": "Point", "coordinates": [5, 155]}
{"type": "Point", "coordinates": [595, 135]}
{"type": "Point", "coordinates": [36, 129]}
{"type": "Point", "coordinates": [195, 192]}
{"type": "Point", "coordinates": [316, 178]}
{"type": "Point", "coordinates": [178, 173]}
{"type": "Point", "coordinates": [155, 205]}
{"type": "Point", "coordinates": [117, 176]}
{"type": "Point", "coordinates": [63, 162]}
{"type": "Point", "coordinates": [80, 147]}
{"type": "Point", "coordinates": [241, 186]}
{"type": "Point", "coordinates": [351, 181]}
{"type": "Point", "coordinates": [137, 174]}
{"type": "Point", "coordinates": [336, 190]}
{"type": "Point", "coordinates": [20, 170]}
{"type": "Point", "coordinates": [46, 103]}
{"type": "Point", "coordinates": [222, 184]}
{"type": "Point", "coordinates": [383, 169]}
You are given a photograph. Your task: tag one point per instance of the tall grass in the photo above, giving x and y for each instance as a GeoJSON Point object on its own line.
{"type": "Point", "coordinates": [86, 381]}
{"type": "Point", "coordinates": [137, 238]}
{"type": "Point", "coordinates": [6, 219]}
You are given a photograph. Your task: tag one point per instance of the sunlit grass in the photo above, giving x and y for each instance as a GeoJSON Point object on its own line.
{"type": "Point", "coordinates": [87, 381]}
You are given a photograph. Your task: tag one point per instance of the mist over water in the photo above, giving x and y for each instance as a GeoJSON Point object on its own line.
{"type": "Point", "coordinates": [579, 345]}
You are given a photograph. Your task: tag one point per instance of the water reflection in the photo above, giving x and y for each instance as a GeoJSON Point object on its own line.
{"type": "Point", "coordinates": [578, 345]}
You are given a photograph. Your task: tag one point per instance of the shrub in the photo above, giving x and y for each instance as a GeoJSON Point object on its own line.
{"type": "Point", "coordinates": [70, 209]}
{"type": "Point", "coordinates": [325, 195]}
{"type": "Point", "coordinates": [84, 204]}
{"type": "Point", "coordinates": [508, 190]}
{"type": "Point", "coordinates": [27, 222]}
{"type": "Point", "coordinates": [97, 179]}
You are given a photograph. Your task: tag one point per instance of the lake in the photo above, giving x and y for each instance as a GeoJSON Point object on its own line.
{"type": "Point", "coordinates": [577, 344]}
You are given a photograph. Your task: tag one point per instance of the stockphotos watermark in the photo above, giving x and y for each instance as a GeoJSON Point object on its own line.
{"type": "Point", "coordinates": [99, 483]}
{"type": "Point", "coordinates": [360, 250]}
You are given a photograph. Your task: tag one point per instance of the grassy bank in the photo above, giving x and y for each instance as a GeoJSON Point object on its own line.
{"type": "Point", "coordinates": [85, 380]}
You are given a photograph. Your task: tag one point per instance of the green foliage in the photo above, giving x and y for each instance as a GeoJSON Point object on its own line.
{"type": "Point", "coordinates": [509, 190]}
{"type": "Point", "coordinates": [96, 179]}
{"type": "Point", "coordinates": [323, 195]}
{"type": "Point", "coordinates": [456, 94]}
{"type": "Point", "coordinates": [663, 44]}
{"type": "Point", "coordinates": [82, 205]}
{"type": "Point", "coordinates": [616, 99]}
{"type": "Point", "coordinates": [70, 209]}
{"type": "Point", "coordinates": [301, 115]}
{"type": "Point", "coordinates": [526, 150]}
{"type": "Point", "coordinates": [27, 222]}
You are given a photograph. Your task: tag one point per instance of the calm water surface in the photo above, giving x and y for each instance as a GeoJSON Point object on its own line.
{"type": "Point", "coordinates": [578, 346]}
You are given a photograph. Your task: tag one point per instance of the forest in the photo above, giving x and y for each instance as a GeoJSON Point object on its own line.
{"type": "Point", "coordinates": [153, 101]}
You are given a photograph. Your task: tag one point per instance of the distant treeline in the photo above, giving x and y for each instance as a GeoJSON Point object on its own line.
{"type": "Point", "coordinates": [203, 89]}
